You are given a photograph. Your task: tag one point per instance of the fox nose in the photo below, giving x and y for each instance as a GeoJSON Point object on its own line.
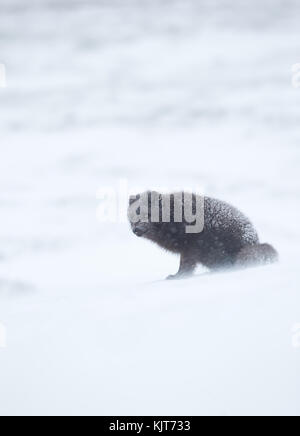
{"type": "Point", "coordinates": [138, 232]}
{"type": "Point", "coordinates": [139, 229]}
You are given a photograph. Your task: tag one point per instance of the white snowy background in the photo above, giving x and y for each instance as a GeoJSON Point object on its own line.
{"type": "Point", "coordinates": [161, 93]}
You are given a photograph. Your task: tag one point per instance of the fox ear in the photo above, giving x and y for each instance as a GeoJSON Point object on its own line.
{"type": "Point", "coordinates": [133, 199]}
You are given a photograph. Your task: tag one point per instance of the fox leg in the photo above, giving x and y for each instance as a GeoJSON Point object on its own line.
{"type": "Point", "coordinates": [188, 264]}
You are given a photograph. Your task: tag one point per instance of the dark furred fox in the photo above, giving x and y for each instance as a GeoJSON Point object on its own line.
{"type": "Point", "coordinates": [226, 240]}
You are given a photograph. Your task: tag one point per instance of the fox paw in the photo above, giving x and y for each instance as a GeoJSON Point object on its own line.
{"type": "Point", "coordinates": [179, 277]}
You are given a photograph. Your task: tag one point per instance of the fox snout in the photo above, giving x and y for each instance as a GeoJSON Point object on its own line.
{"type": "Point", "coordinates": [140, 229]}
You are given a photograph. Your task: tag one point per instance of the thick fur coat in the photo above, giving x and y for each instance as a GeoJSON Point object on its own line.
{"type": "Point", "coordinates": [228, 238]}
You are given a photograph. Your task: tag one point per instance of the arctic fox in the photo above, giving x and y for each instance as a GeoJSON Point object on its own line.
{"type": "Point", "coordinates": [227, 238]}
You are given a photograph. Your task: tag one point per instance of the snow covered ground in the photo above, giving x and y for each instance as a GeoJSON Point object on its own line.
{"type": "Point", "coordinates": [160, 93]}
